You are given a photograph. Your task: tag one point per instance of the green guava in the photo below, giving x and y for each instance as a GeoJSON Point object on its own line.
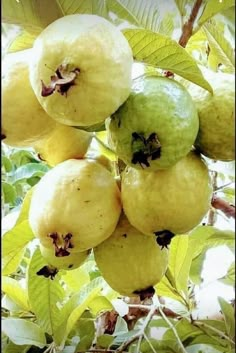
{"type": "Point", "coordinates": [81, 70]}
{"type": "Point", "coordinates": [63, 142]}
{"type": "Point", "coordinates": [76, 205]}
{"type": "Point", "coordinates": [156, 126]}
{"type": "Point", "coordinates": [23, 119]}
{"type": "Point", "coordinates": [216, 136]}
{"type": "Point", "coordinates": [171, 201]}
{"type": "Point", "coordinates": [131, 262]}
{"type": "Point", "coordinates": [70, 262]}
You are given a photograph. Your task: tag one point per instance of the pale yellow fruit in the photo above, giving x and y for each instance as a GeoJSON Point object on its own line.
{"type": "Point", "coordinates": [23, 119]}
{"type": "Point", "coordinates": [93, 57]}
{"type": "Point", "coordinates": [76, 205]}
{"type": "Point", "coordinates": [131, 262]}
{"type": "Point", "coordinates": [216, 136]}
{"type": "Point", "coordinates": [70, 262]}
{"type": "Point", "coordinates": [175, 199]}
{"type": "Point", "coordinates": [64, 142]}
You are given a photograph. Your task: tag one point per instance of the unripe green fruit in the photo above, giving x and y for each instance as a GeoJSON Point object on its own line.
{"type": "Point", "coordinates": [70, 262]}
{"type": "Point", "coordinates": [131, 262]}
{"type": "Point", "coordinates": [174, 200]}
{"type": "Point", "coordinates": [76, 205]}
{"type": "Point", "coordinates": [81, 70]}
{"type": "Point", "coordinates": [156, 126]}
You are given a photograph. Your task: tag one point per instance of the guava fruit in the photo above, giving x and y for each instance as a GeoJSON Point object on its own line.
{"type": "Point", "coordinates": [23, 119]}
{"type": "Point", "coordinates": [165, 202]}
{"type": "Point", "coordinates": [216, 136]}
{"type": "Point", "coordinates": [81, 70]}
{"type": "Point", "coordinates": [76, 205]}
{"type": "Point", "coordinates": [131, 262]}
{"type": "Point", "coordinates": [70, 262]}
{"type": "Point", "coordinates": [63, 142]}
{"type": "Point", "coordinates": [156, 126]}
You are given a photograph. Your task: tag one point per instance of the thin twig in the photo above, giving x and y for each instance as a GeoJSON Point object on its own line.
{"type": "Point", "coordinates": [224, 206]}
{"type": "Point", "coordinates": [212, 214]}
{"type": "Point", "coordinates": [213, 329]}
{"type": "Point", "coordinates": [187, 29]}
{"type": "Point", "coordinates": [181, 346]}
{"type": "Point", "coordinates": [223, 186]}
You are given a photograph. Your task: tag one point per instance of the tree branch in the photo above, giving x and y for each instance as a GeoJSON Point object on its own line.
{"type": "Point", "coordinates": [224, 206]}
{"type": "Point", "coordinates": [187, 29]}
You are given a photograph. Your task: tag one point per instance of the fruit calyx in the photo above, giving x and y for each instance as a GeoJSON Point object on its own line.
{"type": "Point", "coordinates": [61, 250]}
{"type": "Point", "coordinates": [163, 238]}
{"type": "Point", "coordinates": [60, 82]}
{"type": "Point", "coordinates": [145, 293]}
{"type": "Point", "coordinates": [47, 271]}
{"type": "Point", "coordinates": [3, 136]}
{"type": "Point", "coordinates": [145, 148]}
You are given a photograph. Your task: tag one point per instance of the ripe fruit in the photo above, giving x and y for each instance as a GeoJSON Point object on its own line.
{"type": "Point", "coordinates": [172, 200]}
{"type": "Point", "coordinates": [216, 136]}
{"type": "Point", "coordinates": [70, 262]}
{"type": "Point", "coordinates": [76, 205]}
{"type": "Point", "coordinates": [23, 119]}
{"type": "Point", "coordinates": [81, 71]}
{"type": "Point", "coordinates": [131, 262]}
{"type": "Point", "coordinates": [64, 142]}
{"type": "Point", "coordinates": [156, 126]}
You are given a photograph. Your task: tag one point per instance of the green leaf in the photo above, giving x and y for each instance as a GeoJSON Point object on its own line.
{"type": "Point", "coordinates": [104, 341]}
{"type": "Point", "coordinates": [181, 6]}
{"type": "Point", "coordinates": [196, 268]}
{"type": "Point", "coordinates": [9, 193]}
{"type": "Point", "coordinates": [23, 332]}
{"type": "Point", "coordinates": [203, 348]}
{"type": "Point", "coordinates": [6, 162]}
{"type": "Point", "coordinates": [165, 289]}
{"type": "Point", "coordinates": [15, 292]}
{"type": "Point", "coordinates": [228, 313]}
{"type": "Point", "coordinates": [23, 41]}
{"type": "Point", "coordinates": [164, 53]}
{"type": "Point", "coordinates": [13, 348]}
{"type": "Point", "coordinates": [24, 212]}
{"type": "Point", "coordinates": [45, 295]}
{"type": "Point", "coordinates": [75, 279]}
{"type": "Point", "coordinates": [121, 327]}
{"type": "Point", "coordinates": [99, 304]}
{"type": "Point", "coordinates": [86, 331]}
{"type": "Point", "coordinates": [97, 7]}
{"type": "Point", "coordinates": [229, 278]}
{"type": "Point", "coordinates": [28, 171]}
{"type": "Point", "coordinates": [21, 157]}
{"type": "Point", "coordinates": [220, 48]}
{"type": "Point", "coordinates": [31, 14]}
{"type": "Point", "coordinates": [184, 329]}
{"type": "Point", "coordinates": [160, 346]}
{"type": "Point", "coordinates": [167, 25]}
{"type": "Point", "coordinates": [180, 258]}
{"type": "Point", "coordinates": [13, 245]}
{"type": "Point", "coordinates": [213, 7]}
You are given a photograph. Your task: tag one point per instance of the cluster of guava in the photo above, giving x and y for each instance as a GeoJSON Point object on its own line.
{"type": "Point", "coordinates": [79, 74]}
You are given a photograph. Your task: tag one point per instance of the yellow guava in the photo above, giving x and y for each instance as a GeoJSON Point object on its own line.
{"type": "Point", "coordinates": [76, 205]}
{"type": "Point", "coordinates": [156, 126]}
{"type": "Point", "coordinates": [173, 200]}
{"type": "Point", "coordinates": [81, 70]}
{"type": "Point", "coordinates": [131, 262]}
{"type": "Point", "coordinates": [70, 262]}
{"type": "Point", "coordinates": [63, 142]}
{"type": "Point", "coordinates": [216, 136]}
{"type": "Point", "coordinates": [23, 119]}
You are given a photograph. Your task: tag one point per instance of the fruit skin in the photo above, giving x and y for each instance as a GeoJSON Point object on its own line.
{"type": "Point", "coordinates": [74, 260]}
{"type": "Point", "coordinates": [156, 105]}
{"type": "Point", "coordinates": [23, 119]}
{"type": "Point", "coordinates": [64, 142]}
{"type": "Point", "coordinates": [216, 136]}
{"type": "Point", "coordinates": [175, 199]}
{"type": "Point", "coordinates": [129, 260]}
{"type": "Point", "coordinates": [103, 59]}
{"type": "Point", "coordinates": [76, 205]}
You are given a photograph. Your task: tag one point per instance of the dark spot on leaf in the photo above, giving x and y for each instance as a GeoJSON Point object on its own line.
{"type": "Point", "coordinates": [47, 271]}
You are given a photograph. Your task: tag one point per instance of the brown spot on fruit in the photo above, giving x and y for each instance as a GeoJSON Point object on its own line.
{"type": "Point", "coordinates": [60, 82]}
{"type": "Point", "coordinates": [3, 136]}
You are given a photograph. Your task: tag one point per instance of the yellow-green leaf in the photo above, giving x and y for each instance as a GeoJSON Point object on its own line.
{"type": "Point", "coordinates": [33, 15]}
{"type": "Point", "coordinates": [213, 7]}
{"type": "Point", "coordinates": [99, 304]}
{"type": "Point", "coordinates": [97, 7]}
{"type": "Point", "coordinates": [15, 292]}
{"type": "Point", "coordinates": [165, 289]}
{"type": "Point", "coordinates": [162, 52]}
{"type": "Point", "coordinates": [23, 41]}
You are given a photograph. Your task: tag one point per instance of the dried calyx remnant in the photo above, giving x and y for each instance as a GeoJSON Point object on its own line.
{"type": "Point", "coordinates": [163, 238]}
{"type": "Point", "coordinates": [145, 149]}
{"type": "Point", "coordinates": [145, 293]}
{"type": "Point", "coordinates": [47, 271]}
{"type": "Point", "coordinates": [61, 250]}
{"type": "Point", "coordinates": [3, 136]}
{"type": "Point", "coordinates": [61, 81]}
